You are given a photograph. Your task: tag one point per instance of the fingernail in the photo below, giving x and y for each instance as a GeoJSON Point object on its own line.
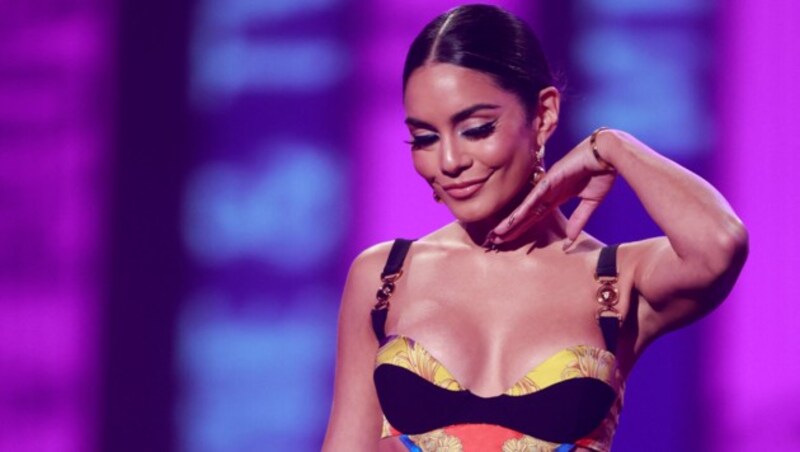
{"type": "Point", "coordinates": [567, 243]}
{"type": "Point", "coordinates": [492, 239]}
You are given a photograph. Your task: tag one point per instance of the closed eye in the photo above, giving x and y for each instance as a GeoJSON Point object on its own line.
{"type": "Point", "coordinates": [421, 141]}
{"type": "Point", "coordinates": [481, 131]}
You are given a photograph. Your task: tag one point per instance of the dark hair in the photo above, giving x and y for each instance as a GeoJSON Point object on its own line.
{"type": "Point", "coordinates": [488, 39]}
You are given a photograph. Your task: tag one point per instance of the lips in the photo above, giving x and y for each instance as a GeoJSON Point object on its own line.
{"type": "Point", "coordinates": [463, 190]}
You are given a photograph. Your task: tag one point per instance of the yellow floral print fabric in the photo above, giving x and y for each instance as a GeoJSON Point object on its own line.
{"type": "Point", "coordinates": [578, 361]}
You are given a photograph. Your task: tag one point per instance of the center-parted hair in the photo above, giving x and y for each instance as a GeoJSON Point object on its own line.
{"type": "Point", "coordinates": [488, 39]}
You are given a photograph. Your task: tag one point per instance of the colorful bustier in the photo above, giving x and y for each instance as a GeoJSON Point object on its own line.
{"type": "Point", "coordinates": [572, 399]}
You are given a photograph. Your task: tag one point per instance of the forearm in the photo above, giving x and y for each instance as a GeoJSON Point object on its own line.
{"type": "Point", "coordinates": [699, 223]}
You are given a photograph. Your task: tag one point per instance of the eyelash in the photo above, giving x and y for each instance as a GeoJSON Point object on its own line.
{"type": "Point", "coordinates": [482, 131]}
{"type": "Point", "coordinates": [475, 133]}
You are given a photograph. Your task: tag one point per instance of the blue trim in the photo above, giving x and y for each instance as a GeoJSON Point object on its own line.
{"type": "Point", "coordinates": [410, 444]}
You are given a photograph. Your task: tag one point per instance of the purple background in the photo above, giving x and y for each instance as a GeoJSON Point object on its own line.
{"type": "Point", "coordinates": [183, 185]}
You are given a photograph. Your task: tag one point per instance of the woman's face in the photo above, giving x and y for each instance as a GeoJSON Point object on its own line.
{"type": "Point", "coordinates": [470, 139]}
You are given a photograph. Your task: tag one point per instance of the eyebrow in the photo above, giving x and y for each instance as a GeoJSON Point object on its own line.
{"type": "Point", "coordinates": [455, 119]}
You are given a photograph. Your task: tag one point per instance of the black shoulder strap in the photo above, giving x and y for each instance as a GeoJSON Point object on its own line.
{"type": "Point", "coordinates": [607, 266]}
{"type": "Point", "coordinates": [394, 263]}
{"type": "Point", "coordinates": [607, 262]}
{"type": "Point", "coordinates": [396, 257]}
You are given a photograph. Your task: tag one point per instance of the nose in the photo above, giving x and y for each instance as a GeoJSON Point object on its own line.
{"type": "Point", "coordinates": [453, 159]}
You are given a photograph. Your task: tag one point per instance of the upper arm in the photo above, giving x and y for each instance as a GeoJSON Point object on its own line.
{"type": "Point", "coordinates": [673, 291]}
{"type": "Point", "coordinates": [355, 418]}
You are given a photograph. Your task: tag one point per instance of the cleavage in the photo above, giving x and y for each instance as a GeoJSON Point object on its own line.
{"type": "Point", "coordinates": [486, 342]}
{"type": "Point", "coordinates": [486, 367]}
{"type": "Point", "coordinates": [546, 366]}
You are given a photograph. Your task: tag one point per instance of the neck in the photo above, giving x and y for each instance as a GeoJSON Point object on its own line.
{"type": "Point", "coordinates": [551, 228]}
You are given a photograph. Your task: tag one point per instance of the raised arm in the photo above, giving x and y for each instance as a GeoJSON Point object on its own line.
{"type": "Point", "coordinates": [680, 276]}
{"type": "Point", "coordinates": [355, 418]}
{"type": "Point", "coordinates": [687, 273]}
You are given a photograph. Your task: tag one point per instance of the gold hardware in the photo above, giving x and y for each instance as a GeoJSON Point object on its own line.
{"type": "Point", "coordinates": [608, 297]}
{"type": "Point", "coordinates": [385, 290]}
{"type": "Point", "coordinates": [608, 312]}
{"type": "Point", "coordinates": [393, 277]}
{"type": "Point", "coordinates": [607, 294]}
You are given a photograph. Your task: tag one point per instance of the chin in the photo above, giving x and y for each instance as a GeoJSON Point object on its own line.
{"type": "Point", "coordinates": [471, 212]}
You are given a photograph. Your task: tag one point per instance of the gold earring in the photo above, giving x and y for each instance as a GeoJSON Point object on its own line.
{"type": "Point", "coordinates": [538, 173]}
{"type": "Point", "coordinates": [540, 154]}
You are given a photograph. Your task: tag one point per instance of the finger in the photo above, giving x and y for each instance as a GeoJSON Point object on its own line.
{"type": "Point", "coordinates": [577, 221]}
{"type": "Point", "coordinates": [531, 205]}
{"type": "Point", "coordinates": [531, 214]}
{"type": "Point", "coordinates": [519, 228]}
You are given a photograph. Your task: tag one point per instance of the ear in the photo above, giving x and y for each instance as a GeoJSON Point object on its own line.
{"type": "Point", "coordinates": [546, 118]}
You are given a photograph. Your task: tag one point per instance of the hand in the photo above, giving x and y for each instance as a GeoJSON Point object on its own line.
{"type": "Point", "coordinates": [579, 174]}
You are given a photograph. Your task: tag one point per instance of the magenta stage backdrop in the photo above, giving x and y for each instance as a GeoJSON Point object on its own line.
{"type": "Point", "coordinates": [55, 99]}
{"type": "Point", "coordinates": [751, 364]}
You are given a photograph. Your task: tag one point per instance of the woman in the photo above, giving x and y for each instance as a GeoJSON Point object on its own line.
{"type": "Point", "coordinates": [511, 328]}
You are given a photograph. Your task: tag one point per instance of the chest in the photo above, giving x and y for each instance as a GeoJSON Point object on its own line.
{"type": "Point", "coordinates": [490, 322]}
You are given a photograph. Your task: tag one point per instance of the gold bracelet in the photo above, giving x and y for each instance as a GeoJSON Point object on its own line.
{"type": "Point", "coordinates": [593, 143]}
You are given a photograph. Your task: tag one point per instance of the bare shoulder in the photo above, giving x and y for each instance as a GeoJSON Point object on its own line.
{"type": "Point", "coordinates": [372, 258]}
{"type": "Point", "coordinates": [588, 248]}
{"type": "Point", "coordinates": [635, 251]}
{"type": "Point", "coordinates": [628, 255]}
{"type": "Point", "coordinates": [634, 255]}
{"type": "Point", "coordinates": [364, 274]}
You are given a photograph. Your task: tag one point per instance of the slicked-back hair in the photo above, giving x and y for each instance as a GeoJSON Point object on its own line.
{"type": "Point", "coordinates": [488, 39]}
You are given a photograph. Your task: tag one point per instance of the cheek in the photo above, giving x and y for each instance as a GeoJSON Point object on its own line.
{"type": "Point", "coordinates": [502, 151]}
{"type": "Point", "coordinates": [424, 164]}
